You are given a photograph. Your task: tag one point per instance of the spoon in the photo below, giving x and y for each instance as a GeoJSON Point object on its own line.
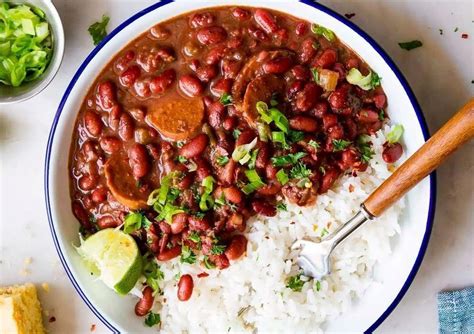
{"type": "Point", "coordinates": [315, 255]}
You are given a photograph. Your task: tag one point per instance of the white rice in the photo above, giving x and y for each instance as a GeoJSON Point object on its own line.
{"type": "Point", "coordinates": [251, 293]}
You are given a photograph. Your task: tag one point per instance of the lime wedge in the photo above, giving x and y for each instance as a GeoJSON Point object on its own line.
{"type": "Point", "coordinates": [114, 256]}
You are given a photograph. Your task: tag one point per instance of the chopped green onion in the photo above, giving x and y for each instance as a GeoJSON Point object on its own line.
{"type": "Point", "coordinates": [282, 177]}
{"type": "Point", "coordinates": [98, 30]}
{"type": "Point", "coordinates": [322, 31]}
{"type": "Point", "coordinates": [187, 255]}
{"type": "Point", "coordinates": [315, 73]}
{"type": "Point", "coordinates": [194, 237]}
{"type": "Point", "coordinates": [279, 119]}
{"type": "Point", "coordinates": [255, 182]}
{"type": "Point", "coordinates": [242, 153]}
{"type": "Point", "coordinates": [395, 134]}
{"type": "Point", "coordinates": [253, 159]}
{"type": "Point", "coordinates": [207, 201]}
{"type": "Point", "coordinates": [217, 249]}
{"type": "Point", "coordinates": [262, 109]}
{"type": "Point", "coordinates": [279, 137]}
{"type": "Point", "coordinates": [135, 221]}
{"type": "Point", "coordinates": [152, 273]}
{"type": "Point", "coordinates": [295, 283]}
{"type": "Point", "coordinates": [264, 132]}
{"type": "Point", "coordinates": [317, 285]}
{"type": "Point", "coordinates": [368, 82]}
{"type": "Point", "coordinates": [222, 160]}
{"type": "Point", "coordinates": [236, 133]}
{"type": "Point", "coordinates": [208, 264]}
{"type": "Point", "coordinates": [182, 159]}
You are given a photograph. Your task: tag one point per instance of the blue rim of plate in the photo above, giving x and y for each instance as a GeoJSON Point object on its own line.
{"type": "Point", "coordinates": [354, 27]}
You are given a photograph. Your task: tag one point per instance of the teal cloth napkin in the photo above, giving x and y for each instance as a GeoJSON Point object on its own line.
{"type": "Point", "coordinates": [456, 311]}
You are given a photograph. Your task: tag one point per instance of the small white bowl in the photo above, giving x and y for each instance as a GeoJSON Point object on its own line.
{"type": "Point", "coordinates": [27, 90]}
{"type": "Point", "coordinates": [395, 275]}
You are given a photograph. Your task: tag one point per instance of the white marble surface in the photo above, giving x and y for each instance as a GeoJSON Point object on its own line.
{"type": "Point", "coordinates": [440, 74]}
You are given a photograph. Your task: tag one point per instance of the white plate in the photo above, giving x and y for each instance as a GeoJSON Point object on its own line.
{"type": "Point", "coordinates": [395, 275]}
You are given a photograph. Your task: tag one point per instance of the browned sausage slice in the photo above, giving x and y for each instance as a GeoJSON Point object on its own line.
{"type": "Point", "coordinates": [176, 118]}
{"type": "Point", "coordinates": [122, 184]}
{"type": "Point", "coordinates": [260, 89]}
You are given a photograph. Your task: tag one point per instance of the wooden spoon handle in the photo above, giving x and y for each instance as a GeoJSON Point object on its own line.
{"type": "Point", "coordinates": [457, 131]}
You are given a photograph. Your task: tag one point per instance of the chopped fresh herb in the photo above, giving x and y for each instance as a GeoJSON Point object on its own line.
{"type": "Point", "coordinates": [282, 177]}
{"type": "Point", "coordinates": [242, 153]}
{"type": "Point", "coordinates": [180, 144]}
{"type": "Point", "coordinates": [222, 160]}
{"type": "Point", "coordinates": [135, 221]}
{"type": "Point", "coordinates": [152, 273]}
{"type": "Point", "coordinates": [317, 285]}
{"type": "Point", "coordinates": [322, 31]}
{"type": "Point", "coordinates": [217, 249]}
{"type": "Point", "coordinates": [279, 137]}
{"type": "Point", "coordinates": [295, 136]}
{"type": "Point", "coordinates": [182, 159]}
{"type": "Point", "coordinates": [281, 206]}
{"type": "Point", "coordinates": [287, 159]}
{"type": "Point", "coordinates": [236, 133]}
{"type": "Point", "coordinates": [410, 45]}
{"type": "Point", "coordinates": [440, 31]}
{"type": "Point", "coordinates": [194, 237]}
{"type": "Point", "coordinates": [365, 149]}
{"type": "Point", "coordinates": [340, 144]}
{"type": "Point", "coordinates": [382, 115]}
{"type": "Point", "coordinates": [315, 45]}
{"type": "Point", "coordinates": [152, 319]}
{"type": "Point", "coordinates": [324, 232]}
{"type": "Point", "coordinates": [315, 73]}
{"type": "Point", "coordinates": [208, 263]}
{"type": "Point", "coordinates": [253, 159]}
{"type": "Point", "coordinates": [255, 182]}
{"type": "Point", "coordinates": [295, 283]}
{"type": "Point", "coordinates": [226, 99]}
{"type": "Point", "coordinates": [395, 134]}
{"type": "Point", "coordinates": [322, 170]}
{"type": "Point", "coordinates": [456, 29]}
{"type": "Point", "coordinates": [206, 202]}
{"type": "Point", "coordinates": [368, 82]}
{"type": "Point", "coordinates": [314, 144]}
{"type": "Point", "coordinates": [199, 215]}
{"type": "Point", "coordinates": [300, 171]}
{"type": "Point", "coordinates": [187, 255]}
{"type": "Point", "coordinates": [98, 30]}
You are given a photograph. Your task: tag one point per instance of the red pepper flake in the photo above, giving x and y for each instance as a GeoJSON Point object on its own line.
{"type": "Point", "coordinates": [93, 327]}
{"type": "Point", "coordinates": [203, 274]}
{"type": "Point", "coordinates": [52, 319]}
{"type": "Point", "coordinates": [349, 15]}
{"type": "Point", "coordinates": [465, 36]}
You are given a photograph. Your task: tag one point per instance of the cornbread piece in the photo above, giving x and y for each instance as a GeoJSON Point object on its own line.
{"type": "Point", "coordinates": [20, 310]}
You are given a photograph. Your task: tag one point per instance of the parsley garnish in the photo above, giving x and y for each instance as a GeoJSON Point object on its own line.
{"type": "Point", "coordinates": [364, 146]}
{"type": "Point", "coordinates": [98, 30]}
{"type": "Point", "coordinates": [340, 144]}
{"type": "Point", "coordinates": [314, 144]}
{"type": "Point", "coordinates": [375, 81]}
{"type": "Point", "coordinates": [226, 99]}
{"type": "Point", "coordinates": [281, 206]}
{"type": "Point", "coordinates": [236, 133]}
{"type": "Point", "coordinates": [182, 159]}
{"type": "Point", "coordinates": [410, 45]}
{"type": "Point", "coordinates": [300, 171]}
{"type": "Point", "coordinates": [217, 249]}
{"type": "Point", "coordinates": [152, 319]}
{"type": "Point", "coordinates": [382, 115]}
{"type": "Point", "coordinates": [295, 283]}
{"type": "Point", "coordinates": [295, 136]}
{"type": "Point", "coordinates": [135, 221]}
{"type": "Point", "coordinates": [194, 237]}
{"type": "Point", "coordinates": [222, 160]}
{"type": "Point", "coordinates": [315, 73]}
{"type": "Point", "coordinates": [187, 255]}
{"type": "Point", "coordinates": [153, 274]}
{"type": "Point", "coordinates": [317, 285]}
{"type": "Point", "coordinates": [208, 264]}
{"type": "Point", "coordinates": [324, 232]}
{"type": "Point", "coordinates": [287, 159]}
{"type": "Point", "coordinates": [320, 30]}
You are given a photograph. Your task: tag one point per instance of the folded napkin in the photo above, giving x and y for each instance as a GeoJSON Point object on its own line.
{"type": "Point", "coordinates": [456, 311]}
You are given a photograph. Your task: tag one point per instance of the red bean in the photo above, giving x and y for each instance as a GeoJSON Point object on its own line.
{"type": "Point", "coordinates": [329, 120]}
{"type": "Point", "coordinates": [160, 33]}
{"type": "Point", "coordinates": [114, 117]}
{"type": "Point", "coordinates": [206, 73]}
{"type": "Point", "coordinates": [307, 50]}
{"type": "Point", "coordinates": [271, 171]}
{"type": "Point", "coordinates": [351, 128]}
{"type": "Point", "coordinates": [221, 86]}
{"type": "Point", "coordinates": [139, 162]}
{"type": "Point", "coordinates": [294, 88]}
{"type": "Point", "coordinates": [240, 14]}
{"type": "Point", "coordinates": [87, 182]}
{"type": "Point", "coordinates": [221, 261]}
{"type": "Point", "coordinates": [374, 127]}
{"type": "Point", "coordinates": [368, 116]}
{"type": "Point", "coordinates": [106, 95]}
{"type": "Point", "coordinates": [349, 158]}
{"type": "Point", "coordinates": [258, 34]}
{"type": "Point", "coordinates": [336, 132]}
{"type": "Point", "coordinates": [330, 176]}
{"type": "Point", "coordinates": [338, 99]}
{"type": "Point", "coordinates": [186, 182]}
{"type": "Point", "coordinates": [300, 72]}
{"type": "Point", "coordinates": [81, 214]}
{"type": "Point", "coordinates": [198, 224]}
{"type": "Point", "coordinates": [263, 208]}
{"type": "Point", "coordinates": [99, 195]}
{"type": "Point", "coordinates": [227, 174]}
{"type": "Point", "coordinates": [235, 42]}
{"type": "Point", "coordinates": [230, 68]}
{"type": "Point", "coordinates": [195, 146]}
{"type": "Point", "coordinates": [278, 65]}
{"type": "Point", "coordinates": [352, 63]}
{"type": "Point", "coordinates": [236, 247]}
{"type": "Point", "coordinates": [107, 222]}
{"type": "Point", "coordinates": [203, 169]}
{"type": "Point", "coordinates": [190, 85]}
{"type": "Point", "coordinates": [169, 253]}
{"type": "Point", "coordinates": [301, 28]}
{"type": "Point", "coordinates": [179, 223]}
{"type": "Point", "coordinates": [380, 101]}
{"type": "Point", "coordinates": [270, 189]}
{"type": "Point", "coordinates": [93, 123]}
{"type": "Point", "coordinates": [128, 78]}
{"type": "Point", "coordinates": [306, 98]}
{"type": "Point", "coordinates": [245, 137]}
{"type": "Point", "coordinates": [185, 287]}
{"type": "Point", "coordinates": [265, 20]}
{"type": "Point", "coordinates": [263, 156]}
{"type": "Point", "coordinates": [327, 58]}
{"type": "Point", "coordinates": [319, 109]}
{"type": "Point", "coordinates": [303, 123]}
{"type": "Point", "coordinates": [142, 87]}
{"type": "Point", "coordinates": [110, 145]}
{"type": "Point", "coordinates": [161, 82]}
{"type": "Point", "coordinates": [215, 55]}
{"type": "Point", "coordinates": [233, 194]}
{"type": "Point", "coordinates": [126, 127]}
{"type": "Point", "coordinates": [392, 152]}
{"type": "Point", "coordinates": [145, 304]}
{"type": "Point", "coordinates": [211, 35]}
{"type": "Point", "coordinates": [201, 20]}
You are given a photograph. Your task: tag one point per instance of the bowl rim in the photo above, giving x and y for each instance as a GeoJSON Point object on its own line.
{"type": "Point", "coordinates": [318, 6]}
{"type": "Point", "coordinates": [58, 56]}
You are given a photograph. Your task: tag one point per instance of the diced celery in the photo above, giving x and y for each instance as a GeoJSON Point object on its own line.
{"type": "Point", "coordinates": [28, 27]}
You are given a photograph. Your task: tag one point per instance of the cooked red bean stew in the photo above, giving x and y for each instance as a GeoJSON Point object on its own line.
{"type": "Point", "coordinates": [213, 117]}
